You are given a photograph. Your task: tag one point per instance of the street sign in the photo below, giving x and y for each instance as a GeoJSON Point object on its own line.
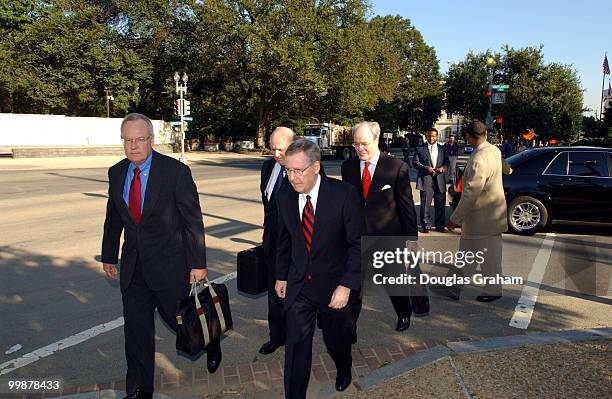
{"type": "Point", "coordinates": [175, 123]}
{"type": "Point", "coordinates": [500, 87]}
{"type": "Point", "coordinates": [498, 98]}
{"type": "Point", "coordinates": [188, 118]}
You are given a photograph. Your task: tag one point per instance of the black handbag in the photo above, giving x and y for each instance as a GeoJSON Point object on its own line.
{"type": "Point", "coordinates": [252, 272]}
{"type": "Point", "coordinates": [202, 317]}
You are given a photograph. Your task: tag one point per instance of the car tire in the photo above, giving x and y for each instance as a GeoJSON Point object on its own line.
{"type": "Point", "coordinates": [526, 215]}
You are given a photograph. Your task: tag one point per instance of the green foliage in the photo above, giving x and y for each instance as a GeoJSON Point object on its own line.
{"type": "Point", "coordinates": [544, 97]}
{"type": "Point", "coordinates": [252, 64]}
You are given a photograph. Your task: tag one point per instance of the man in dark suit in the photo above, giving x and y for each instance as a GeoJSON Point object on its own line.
{"type": "Point", "coordinates": [153, 200]}
{"type": "Point", "coordinates": [272, 177]}
{"type": "Point", "coordinates": [320, 225]}
{"type": "Point", "coordinates": [384, 184]}
{"type": "Point", "coordinates": [431, 161]}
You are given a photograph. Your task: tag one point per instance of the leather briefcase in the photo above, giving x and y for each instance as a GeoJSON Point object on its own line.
{"type": "Point", "coordinates": [252, 273]}
{"type": "Point", "coordinates": [202, 317]}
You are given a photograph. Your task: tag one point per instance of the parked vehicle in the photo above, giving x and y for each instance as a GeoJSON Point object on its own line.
{"type": "Point", "coordinates": [554, 183]}
{"type": "Point", "coordinates": [334, 140]}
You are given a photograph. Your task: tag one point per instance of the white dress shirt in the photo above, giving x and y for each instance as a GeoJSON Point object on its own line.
{"type": "Point", "coordinates": [372, 166]}
{"type": "Point", "coordinates": [433, 152]}
{"type": "Point", "coordinates": [314, 195]}
{"type": "Point", "coordinates": [272, 180]}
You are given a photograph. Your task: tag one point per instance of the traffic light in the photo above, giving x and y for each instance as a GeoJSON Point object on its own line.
{"type": "Point", "coordinates": [187, 108]}
{"type": "Point", "coordinates": [498, 120]}
{"type": "Point", "coordinates": [488, 93]}
{"type": "Point", "coordinates": [177, 107]}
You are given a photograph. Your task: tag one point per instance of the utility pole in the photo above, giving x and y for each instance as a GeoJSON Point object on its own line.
{"type": "Point", "coordinates": [181, 90]}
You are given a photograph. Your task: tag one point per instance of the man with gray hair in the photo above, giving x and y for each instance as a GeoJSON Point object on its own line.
{"type": "Point", "coordinates": [272, 179]}
{"type": "Point", "coordinates": [318, 266]}
{"type": "Point", "coordinates": [153, 201]}
{"type": "Point", "coordinates": [386, 195]}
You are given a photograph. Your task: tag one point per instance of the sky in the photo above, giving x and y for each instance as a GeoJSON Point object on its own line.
{"type": "Point", "coordinates": [573, 32]}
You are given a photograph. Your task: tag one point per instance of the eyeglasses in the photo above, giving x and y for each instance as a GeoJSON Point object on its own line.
{"type": "Point", "coordinates": [357, 145]}
{"type": "Point", "coordinates": [137, 140]}
{"type": "Point", "coordinates": [297, 172]}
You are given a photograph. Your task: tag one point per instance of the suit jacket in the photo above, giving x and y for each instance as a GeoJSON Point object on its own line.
{"type": "Point", "coordinates": [388, 212]}
{"type": "Point", "coordinates": [422, 161]}
{"type": "Point", "coordinates": [270, 214]}
{"type": "Point", "coordinates": [169, 240]}
{"type": "Point", "coordinates": [335, 255]}
{"type": "Point", "coordinates": [482, 208]}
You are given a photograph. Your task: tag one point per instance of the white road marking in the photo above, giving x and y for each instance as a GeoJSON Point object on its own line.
{"type": "Point", "coordinates": [13, 349]}
{"type": "Point", "coordinates": [75, 339]}
{"type": "Point", "coordinates": [526, 303]}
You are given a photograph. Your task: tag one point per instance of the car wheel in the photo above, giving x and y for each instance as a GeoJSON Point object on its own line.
{"type": "Point", "coordinates": [526, 215]}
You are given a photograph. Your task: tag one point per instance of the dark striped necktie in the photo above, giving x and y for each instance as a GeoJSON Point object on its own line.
{"type": "Point", "coordinates": [308, 223]}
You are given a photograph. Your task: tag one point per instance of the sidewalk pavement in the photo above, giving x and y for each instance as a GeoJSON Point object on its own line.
{"type": "Point", "coordinates": [565, 364]}
{"type": "Point", "coordinates": [105, 161]}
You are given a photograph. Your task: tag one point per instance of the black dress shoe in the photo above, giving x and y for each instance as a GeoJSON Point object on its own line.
{"type": "Point", "coordinates": [425, 230]}
{"type": "Point", "coordinates": [402, 323]}
{"type": "Point", "coordinates": [442, 230]}
{"type": "Point", "coordinates": [213, 361]}
{"type": "Point", "coordinates": [343, 382]}
{"type": "Point", "coordinates": [268, 347]}
{"type": "Point", "coordinates": [487, 298]}
{"type": "Point", "coordinates": [139, 394]}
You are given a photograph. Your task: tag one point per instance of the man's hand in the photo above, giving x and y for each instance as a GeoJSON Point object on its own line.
{"type": "Point", "coordinates": [451, 225]}
{"type": "Point", "coordinates": [197, 275]}
{"type": "Point", "coordinates": [440, 170]}
{"type": "Point", "coordinates": [280, 287]}
{"type": "Point", "coordinates": [110, 270]}
{"type": "Point", "coordinates": [431, 170]}
{"type": "Point", "coordinates": [340, 297]}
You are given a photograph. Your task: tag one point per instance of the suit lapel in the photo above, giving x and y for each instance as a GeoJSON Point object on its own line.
{"type": "Point", "coordinates": [320, 213]}
{"type": "Point", "coordinates": [153, 187]}
{"type": "Point", "coordinates": [118, 183]}
{"type": "Point", "coordinates": [379, 179]}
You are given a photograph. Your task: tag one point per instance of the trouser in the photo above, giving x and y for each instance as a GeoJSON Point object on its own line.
{"type": "Point", "coordinates": [452, 167]}
{"type": "Point", "coordinates": [491, 247]}
{"type": "Point", "coordinates": [301, 321]}
{"type": "Point", "coordinates": [139, 304]}
{"type": "Point", "coordinates": [426, 196]}
{"type": "Point", "coordinates": [277, 321]}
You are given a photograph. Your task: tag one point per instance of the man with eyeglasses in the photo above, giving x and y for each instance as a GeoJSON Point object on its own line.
{"type": "Point", "coordinates": [386, 194]}
{"type": "Point", "coordinates": [153, 200]}
{"type": "Point", "coordinates": [318, 267]}
{"type": "Point", "coordinates": [272, 178]}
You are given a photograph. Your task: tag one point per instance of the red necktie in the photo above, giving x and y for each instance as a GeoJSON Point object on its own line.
{"type": "Point", "coordinates": [366, 180]}
{"type": "Point", "coordinates": [308, 223]}
{"type": "Point", "coordinates": [134, 199]}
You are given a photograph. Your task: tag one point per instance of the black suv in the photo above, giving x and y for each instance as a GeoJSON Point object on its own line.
{"type": "Point", "coordinates": [561, 183]}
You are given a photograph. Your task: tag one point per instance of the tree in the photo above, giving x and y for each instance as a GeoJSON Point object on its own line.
{"type": "Point", "coordinates": [544, 97]}
{"type": "Point", "coordinates": [417, 101]}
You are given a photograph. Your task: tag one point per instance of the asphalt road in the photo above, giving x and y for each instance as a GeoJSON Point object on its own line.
{"type": "Point", "coordinates": [52, 286]}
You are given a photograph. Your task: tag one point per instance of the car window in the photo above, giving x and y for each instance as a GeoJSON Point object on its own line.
{"type": "Point", "coordinates": [588, 164]}
{"type": "Point", "coordinates": [533, 165]}
{"type": "Point", "coordinates": [558, 166]}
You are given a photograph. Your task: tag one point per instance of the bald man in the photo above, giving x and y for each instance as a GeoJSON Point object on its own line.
{"type": "Point", "coordinates": [272, 178]}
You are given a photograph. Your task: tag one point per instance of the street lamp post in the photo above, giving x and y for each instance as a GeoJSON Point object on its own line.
{"type": "Point", "coordinates": [491, 67]}
{"type": "Point", "coordinates": [109, 98]}
{"type": "Point", "coordinates": [181, 90]}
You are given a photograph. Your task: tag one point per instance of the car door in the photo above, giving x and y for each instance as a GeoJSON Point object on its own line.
{"type": "Point", "coordinates": [554, 182]}
{"type": "Point", "coordinates": [589, 185]}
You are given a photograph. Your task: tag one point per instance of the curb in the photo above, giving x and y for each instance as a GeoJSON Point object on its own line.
{"type": "Point", "coordinates": [434, 354]}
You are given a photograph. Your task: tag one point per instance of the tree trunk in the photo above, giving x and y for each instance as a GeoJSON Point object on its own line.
{"type": "Point", "coordinates": [261, 128]}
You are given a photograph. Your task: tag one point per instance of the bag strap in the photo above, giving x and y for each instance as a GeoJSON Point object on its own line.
{"type": "Point", "coordinates": [215, 301]}
{"type": "Point", "coordinates": [200, 312]}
